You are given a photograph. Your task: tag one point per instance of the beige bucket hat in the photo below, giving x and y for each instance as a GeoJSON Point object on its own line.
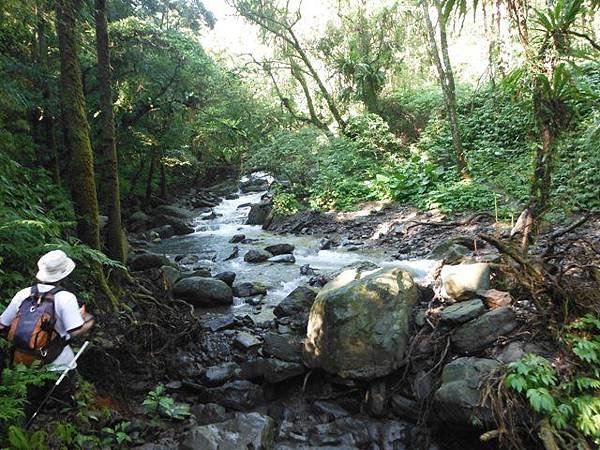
{"type": "Point", "coordinates": [54, 266]}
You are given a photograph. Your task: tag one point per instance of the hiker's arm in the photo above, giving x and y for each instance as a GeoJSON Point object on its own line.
{"type": "Point", "coordinates": [85, 328]}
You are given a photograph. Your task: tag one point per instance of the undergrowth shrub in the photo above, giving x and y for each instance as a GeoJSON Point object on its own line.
{"type": "Point", "coordinates": [568, 394]}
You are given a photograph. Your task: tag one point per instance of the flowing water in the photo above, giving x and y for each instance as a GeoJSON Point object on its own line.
{"type": "Point", "coordinates": [209, 247]}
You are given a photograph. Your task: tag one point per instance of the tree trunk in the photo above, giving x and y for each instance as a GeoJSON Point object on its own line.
{"type": "Point", "coordinates": [446, 78]}
{"type": "Point", "coordinates": [83, 185]}
{"type": "Point", "coordinates": [297, 74]}
{"type": "Point", "coordinates": [150, 178]}
{"type": "Point", "coordinates": [110, 174]}
{"type": "Point", "coordinates": [163, 182]}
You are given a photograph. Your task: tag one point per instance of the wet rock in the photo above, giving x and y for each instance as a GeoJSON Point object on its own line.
{"type": "Point", "coordinates": [204, 203]}
{"type": "Point", "coordinates": [218, 375]}
{"type": "Point", "coordinates": [179, 226]}
{"type": "Point", "coordinates": [254, 301]}
{"type": "Point", "coordinates": [318, 281]}
{"type": "Point", "coordinates": [254, 185]}
{"type": "Point", "coordinates": [361, 330]}
{"type": "Point", "coordinates": [209, 216]}
{"type": "Point", "coordinates": [220, 323]}
{"type": "Point", "coordinates": [271, 369]}
{"type": "Point", "coordinates": [257, 256]}
{"type": "Point", "coordinates": [235, 251]}
{"type": "Point", "coordinates": [237, 238]}
{"type": "Point", "coordinates": [173, 211]}
{"type": "Point", "coordinates": [203, 292]}
{"type": "Point", "coordinates": [209, 413]}
{"type": "Point", "coordinates": [259, 212]}
{"type": "Point", "coordinates": [249, 289]}
{"type": "Point", "coordinates": [202, 272]}
{"type": "Point", "coordinates": [463, 311]}
{"type": "Point", "coordinates": [483, 331]}
{"type": "Point", "coordinates": [289, 259]}
{"type": "Point", "coordinates": [240, 395]}
{"type": "Point", "coordinates": [307, 270]}
{"type": "Point", "coordinates": [280, 249]}
{"type": "Point", "coordinates": [146, 260]}
{"type": "Point", "coordinates": [245, 431]}
{"type": "Point", "coordinates": [286, 348]}
{"type": "Point", "coordinates": [226, 277]}
{"type": "Point", "coordinates": [325, 244]}
{"type": "Point", "coordinates": [457, 399]}
{"type": "Point", "coordinates": [331, 410]}
{"type": "Point", "coordinates": [246, 340]}
{"type": "Point", "coordinates": [464, 280]}
{"type": "Point", "coordinates": [449, 252]}
{"type": "Point", "coordinates": [232, 196]}
{"type": "Point", "coordinates": [348, 432]}
{"type": "Point", "coordinates": [298, 301]}
{"type": "Point", "coordinates": [164, 232]}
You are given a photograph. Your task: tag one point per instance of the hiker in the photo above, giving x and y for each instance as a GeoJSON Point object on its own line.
{"type": "Point", "coordinates": [40, 320]}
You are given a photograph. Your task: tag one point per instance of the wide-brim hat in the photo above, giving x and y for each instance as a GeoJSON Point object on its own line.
{"type": "Point", "coordinates": [54, 266]}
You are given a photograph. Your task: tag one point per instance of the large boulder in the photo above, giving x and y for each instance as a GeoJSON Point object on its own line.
{"type": "Point", "coordinates": [256, 256]}
{"type": "Point", "coordinates": [464, 280]}
{"type": "Point", "coordinates": [146, 260]}
{"type": "Point", "coordinates": [259, 212]}
{"type": "Point", "coordinates": [280, 249]}
{"type": "Point", "coordinates": [251, 430]}
{"type": "Point", "coordinates": [248, 289]}
{"type": "Point", "coordinates": [203, 292]}
{"type": "Point", "coordinates": [298, 301]}
{"type": "Point", "coordinates": [457, 399]}
{"type": "Point", "coordinates": [360, 330]}
{"type": "Point", "coordinates": [483, 331]}
{"type": "Point", "coordinates": [173, 211]}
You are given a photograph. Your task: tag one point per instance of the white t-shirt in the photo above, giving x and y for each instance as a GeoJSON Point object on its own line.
{"type": "Point", "coordinates": [68, 317]}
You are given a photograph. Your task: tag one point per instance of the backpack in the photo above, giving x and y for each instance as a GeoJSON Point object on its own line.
{"type": "Point", "coordinates": [32, 331]}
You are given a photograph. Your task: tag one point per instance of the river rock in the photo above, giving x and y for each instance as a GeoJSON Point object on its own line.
{"type": "Point", "coordinates": [331, 410]}
{"type": "Point", "coordinates": [483, 331]}
{"type": "Point", "coordinates": [462, 312]}
{"type": "Point", "coordinates": [259, 212]}
{"type": "Point", "coordinates": [289, 259]}
{"type": "Point", "coordinates": [173, 211]}
{"type": "Point", "coordinates": [240, 395]}
{"type": "Point", "coordinates": [218, 375]}
{"type": "Point", "coordinates": [164, 232]}
{"type": "Point", "coordinates": [249, 289]}
{"type": "Point", "coordinates": [220, 322]}
{"type": "Point", "coordinates": [180, 226]}
{"type": "Point", "coordinates": [237, 238]}
{"type": "Point", "coordinates": [246, 340]}
{"type": "Point", "coordinates": [146, 260]}
{"type": "Point", "coordinates": [494, 298]}
{"type": "Point", "coordinates": [245, 431]}
{"type": "Point", "coordinates": [298, 301]}
{"type": "Point", "coordinates": [254, 185]}
{"type": "Point", "coordinates": [226, 277]}
{"type": "Point", "coordinates": [464, 280]}
{"type": "Point", "coordinates": [235, 251]}
{"type": "Point", "coordinates": [449, 252]}
{"type": "Point", "coordinates": [457, 398]}
{"type": "Point", "coordinates": [139, 216]}
{"type": "Point", "coordinates": [256, 256]}
{"type": "Point", "coordinates": [209, 413]}
{"type": "Point", "coordinates": [287, 348]}
{"type": "Point", "coordinates": [325, 243]}
{"type": "Point", "coordinates": [280, 249]}
{"type": "Point", "coordinates": [203, 292]}
{"type": "Point", "coordinates": [361, 330]}
{"type": "Point", "coordinates": [271, 369]}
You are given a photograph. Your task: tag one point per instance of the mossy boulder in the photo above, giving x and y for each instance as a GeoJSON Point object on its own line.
{"type": "Point", "coordinates": [360, 330]}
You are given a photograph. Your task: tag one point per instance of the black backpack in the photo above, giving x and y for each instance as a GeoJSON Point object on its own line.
{"type": "Point", "coordinates": [32, 331]}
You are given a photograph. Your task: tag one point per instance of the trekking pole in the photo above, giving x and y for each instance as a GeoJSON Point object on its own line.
{"type": "Point", "coordinates": [70, 367]}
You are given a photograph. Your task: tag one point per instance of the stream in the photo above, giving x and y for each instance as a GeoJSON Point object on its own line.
{"type": "Point", "coordinates": [304, 422]}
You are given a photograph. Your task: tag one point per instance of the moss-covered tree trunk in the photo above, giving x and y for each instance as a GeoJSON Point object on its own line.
{"type": "Point", "coordinates": [110, 174]}
{"type": "Point", "coordinates": [76, 128]}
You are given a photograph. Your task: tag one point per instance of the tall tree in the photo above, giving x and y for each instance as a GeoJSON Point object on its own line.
{"type": "Point", "coordinates": [441, 60]}
{"type": "Point", "coordinates": [76, 130]}
{"type": "Point", "coordinates": [280, 23]}
{"type": "Point", "coordinates": [116, 243]}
